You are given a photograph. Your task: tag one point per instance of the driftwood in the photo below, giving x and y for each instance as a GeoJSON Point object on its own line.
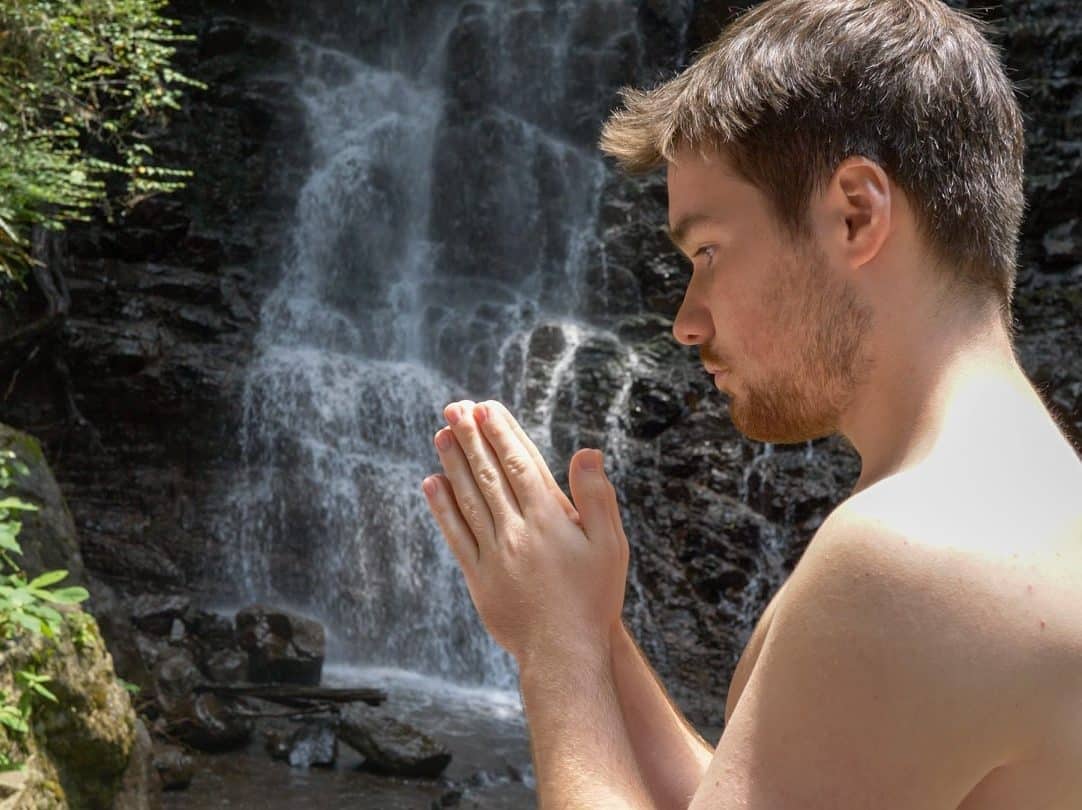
{"type": "Point", "coordinates": [289, 695]}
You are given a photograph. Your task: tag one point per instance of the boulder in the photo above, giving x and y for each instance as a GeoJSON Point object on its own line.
{"type": "Point", "coordinates": [282, 647]}
{"type": "Point", "coordinates": [79, 750]}
{"type": "Point", "coordinates": [390, 746]}
{"type": "Point", "coordinates": [174, 766]}
{"type": "Point", "coordinates": [156, 613]}
{"type": "Point", "coordinates": [227, 666]}
{"type": "Point", "coordinates": [313, 744]}
{"type": "Point", "coordinates": [47, 535]}
{"type": "Point", "coordinates": [140, 788]}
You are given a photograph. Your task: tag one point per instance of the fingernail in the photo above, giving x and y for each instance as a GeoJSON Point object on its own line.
{"type": "Point", "coordinates": [443, 440]}
{"type": "Point", "coordinates": [591, 462]}
{"type": "Point", "coordinates": [454, 413]}
{"type": "Point", "coordinates": [480, 414]}
{"type": "Point", "coordinates": [429, 486]}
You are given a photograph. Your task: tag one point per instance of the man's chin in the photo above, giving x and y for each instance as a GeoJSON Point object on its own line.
{"type": "Point", "coordinates": [774, 428]}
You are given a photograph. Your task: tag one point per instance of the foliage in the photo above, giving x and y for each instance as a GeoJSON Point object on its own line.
{"type": "Point", "coordinates": [25, 605]}
{"type": "Point", "coordinates": [83, 83]}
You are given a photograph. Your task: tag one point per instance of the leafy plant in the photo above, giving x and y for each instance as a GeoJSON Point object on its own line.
{"type": "Point", "coordinates": [83, 84]}
{"type": "Point", "coordinates": [25, 605]}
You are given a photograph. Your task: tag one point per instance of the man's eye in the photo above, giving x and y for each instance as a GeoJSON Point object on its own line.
{"type": "Point", "coordinates": [707, 250]}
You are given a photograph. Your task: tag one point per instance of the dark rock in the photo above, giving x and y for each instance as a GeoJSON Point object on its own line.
{"type": "Point", "coordinates": [140, 788]}
{"type": "Point", "coordinates": [282, 647]}
{"type": "Point", "coordinates": [155, 613]}
{"type": "Point", "coordinates": [276, 742]}
{"type": "Point", "coordinates": [211, 724]}
{"type": "Point", "coordinates": [212, 629]}
{"type": "Point", "coordinates": [47, 536]}
{"type": "Point", "coordinates": [390, 746]}
{"type": "Point", "coordinates": [176, 676]}
{"type": "Point", "coordinates": [227, 666]}
{"type": "Point", "coordinates": [174, 766]}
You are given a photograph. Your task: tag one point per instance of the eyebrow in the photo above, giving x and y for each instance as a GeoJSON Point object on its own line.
{"type": "Point", "coordinates": [678, 233]}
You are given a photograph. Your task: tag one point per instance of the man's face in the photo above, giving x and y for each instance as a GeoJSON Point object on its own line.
{"type": "Point", "coordinates": [771, 312]}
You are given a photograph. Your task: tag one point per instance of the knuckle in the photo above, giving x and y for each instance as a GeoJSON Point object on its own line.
{"type": "Point", "coordinates": [488, 478]}
{"type": "Point", "coordinates": [517, 465]}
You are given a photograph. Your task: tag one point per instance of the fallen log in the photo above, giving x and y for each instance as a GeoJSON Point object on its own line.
{"type": "Point", "coordinates": [294, 695]}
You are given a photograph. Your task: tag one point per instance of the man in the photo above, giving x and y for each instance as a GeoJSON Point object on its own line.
{"type": "Point", "coordinates": [845, 178]}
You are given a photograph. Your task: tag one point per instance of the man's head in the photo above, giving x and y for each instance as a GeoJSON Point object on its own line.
{"type": "Point", "coordinates": [817, 150]}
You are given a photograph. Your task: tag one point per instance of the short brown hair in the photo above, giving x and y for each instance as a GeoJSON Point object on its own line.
{"type": "Point", "coordinates": [793, 87]}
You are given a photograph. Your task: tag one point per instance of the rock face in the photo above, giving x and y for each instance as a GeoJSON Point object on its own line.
{"type": "Point", "coordinates": [164, 313]}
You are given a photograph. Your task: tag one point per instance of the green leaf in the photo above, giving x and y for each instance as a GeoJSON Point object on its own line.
{"type": "Point", "coordinates": [15, 503]}
{"type": "Point", "coordinates": [47, 579]}
{"type": "Point", "coordinates": [67, 596]}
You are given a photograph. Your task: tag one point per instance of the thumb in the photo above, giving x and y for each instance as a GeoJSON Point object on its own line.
{"type": "Point", "coordinates": [592, 492]}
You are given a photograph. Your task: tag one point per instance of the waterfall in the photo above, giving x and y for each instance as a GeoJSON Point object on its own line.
{"type": "Point", "coordinates": [439, 248]}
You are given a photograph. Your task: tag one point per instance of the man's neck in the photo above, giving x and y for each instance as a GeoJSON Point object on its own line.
{"type": "Point", "coordinates": [927, 382]}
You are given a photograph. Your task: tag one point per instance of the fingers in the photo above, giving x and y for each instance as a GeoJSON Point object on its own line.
{"type": "Point", "coordinates": [460, 537]}
{"type": "Point", "coordinates": [468, 498]}
{"type": "Point", "coordinates": [594, 495]}
{"type": "Point", "coordinates": [519, 468]}
{"type": "Point", "coordinates": [538, 459]}
{"type": "Point", "coordinates": [487, 472]}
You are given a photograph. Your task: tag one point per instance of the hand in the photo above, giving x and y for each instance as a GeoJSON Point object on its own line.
{"type": "Point", "coordinates": [546, 580]}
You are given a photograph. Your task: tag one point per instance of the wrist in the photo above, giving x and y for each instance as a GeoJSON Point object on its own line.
{"type": "Point", "coordinates": [559, 659]}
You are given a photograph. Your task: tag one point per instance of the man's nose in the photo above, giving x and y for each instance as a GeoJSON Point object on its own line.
{"type": "Point", "coordinates": [693, 325]}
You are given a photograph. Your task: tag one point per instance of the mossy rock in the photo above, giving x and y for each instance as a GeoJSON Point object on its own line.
{"type": "Point", "coordinates": [48, 536]}
{"type": "Point", "coordinates": [77, 749]}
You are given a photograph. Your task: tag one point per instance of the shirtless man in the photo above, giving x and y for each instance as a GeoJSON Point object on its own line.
{"type": "Point", "coordinates": [845, 177]}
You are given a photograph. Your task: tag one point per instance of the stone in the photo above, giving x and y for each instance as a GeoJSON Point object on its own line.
{"type": "Point", "coordinates": [313, 744]}
{"type": "Point", "coordinates": [140, 788]}
{"type": "Point", "coordinates": [227, 666]}
{"type": "Point", "coordinates": [282, 647]}
{"type": "Point", "coordinates": [155, 613]}
{"type": "Point", "coordinates": [47, 536]}
{"type": "Point", "coordinates": [82, 750]}
{"type": "Point", "coordinates": [390, 746]}
{"type": "Point", "coordinates": [174, 766]}
{"type": "Point", "coordinates": [211, 724]}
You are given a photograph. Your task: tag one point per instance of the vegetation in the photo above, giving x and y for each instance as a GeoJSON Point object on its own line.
{"type": "Point", "coordinates": [26, 605]}
{"type": "Point", "coordinates": [83, 84]}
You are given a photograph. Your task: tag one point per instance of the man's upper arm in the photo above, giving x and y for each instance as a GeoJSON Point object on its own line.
{"type": "Point", "coordinates": [873, 688]}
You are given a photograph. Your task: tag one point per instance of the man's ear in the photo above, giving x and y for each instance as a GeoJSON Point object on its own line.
{"type": "Point", "coordinates": [857, 206]}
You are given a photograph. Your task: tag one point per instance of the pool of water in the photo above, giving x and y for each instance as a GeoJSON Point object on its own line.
{"type": "Point", "coordinates": [483, 728]}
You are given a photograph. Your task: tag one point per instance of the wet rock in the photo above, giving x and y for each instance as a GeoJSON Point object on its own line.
{"type": "Point", "coordinates": [156, 613]}
{"type": "Point", "coordinates": [313, 744]}
{"type": "Point", "coordinates": [213, 631]}
{"type": "Point", "coordinates": [175, 677]}
{"type": "Point", "coordinates": [211, 724]}
{"type": "Point", "coordinates": [227, 666]}
{"type": "Point", "coordinates": [276, 742]}
{"type": "Point", "coordinates": [390, 746]}
{"type": "Point", "coordinates": [174, 766]}
{"type": "Point", "coordinates": [282, 647]}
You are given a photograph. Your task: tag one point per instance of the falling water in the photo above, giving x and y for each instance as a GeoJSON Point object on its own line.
{"type": "Point", "coordinates": [422, 271]}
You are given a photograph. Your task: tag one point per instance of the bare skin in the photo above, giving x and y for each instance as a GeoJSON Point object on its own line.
{"type": "Point", "coordinates": [927, 650]}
